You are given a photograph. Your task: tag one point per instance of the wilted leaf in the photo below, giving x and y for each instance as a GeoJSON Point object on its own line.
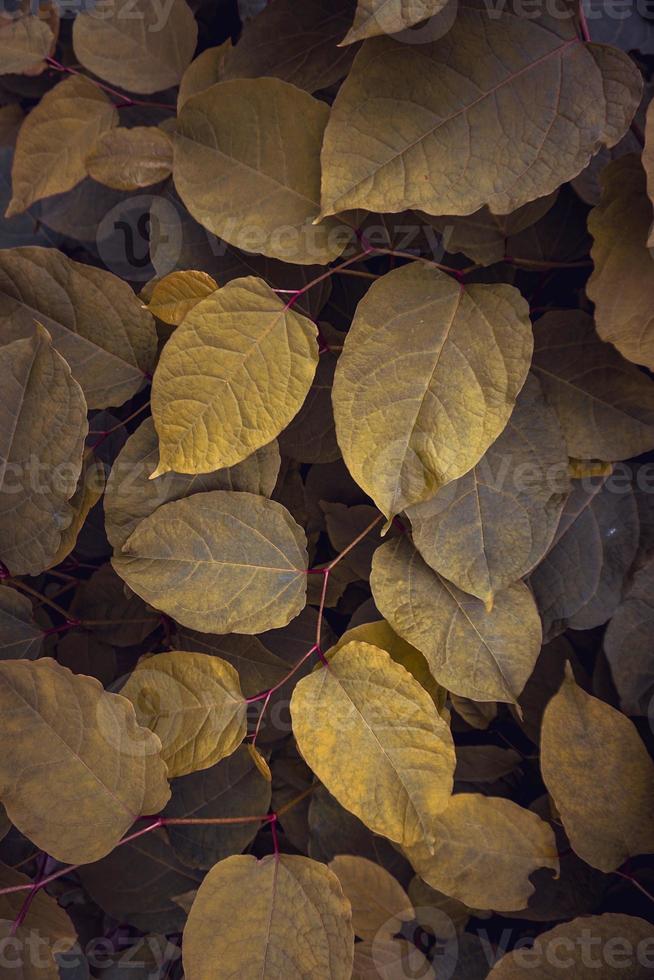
{"type": "Point", "coordinates": [95, 320]}
{"type": "Point", "coordinates": [246, 549]}
{"type": "Point", "coordinates": [127, 159]}
{"type": "Point", "coordinates": [20, 637]}
{"type": "Point", "coordinates": [373, 736]}
{"type": "Point", "coordinates": [620, 285]}
{"type": "Point", "coordinates": [42, 430]}
{"type": "Point", "coordinates": [230, 378]}
{"type": "Point", "coordinates": [452, 125]}
{"type": "Point", "coordinates": [54, 140]}
{"type": "Point", "coordinates": [426, 382]}
{"type": "Point", "coordinates": [25, 39]}
{"type": "Point", "coordinates": [485, 850]}
{"type": "Point", "coordinates": [76, 769]}
{"type": "Point", "coordinates": [176, 294]}
{"type": "Point", "coordinates": [141, 46]}
{"type": "Point", "coordinates": [292, 910]}
{"type": "Point", "coordinates": [600, 776]}
{"type": "Point", "coordinates": [194, 703]}
{"type": "Point", "coordinates": [132, 496]}
{"type": "Point", "coordinates": [379, 903]}
{"type": "Point", "coordinates": [629, 644]}
{"type": "Point", "coordinates": [479, 654]}
{"type": "Point", "coordinates": [492, 526]}
{"type": "Point", "coordinates": [242, 177]}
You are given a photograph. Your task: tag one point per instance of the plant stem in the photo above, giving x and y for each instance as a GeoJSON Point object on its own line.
{"type": "Point", "coordinates": [44, 600]}
{"type": "Point", "coordinates": [126, 101]}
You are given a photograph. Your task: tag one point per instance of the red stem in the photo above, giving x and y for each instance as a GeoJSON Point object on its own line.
{"type": "Point", "coordinates": [126, 101]}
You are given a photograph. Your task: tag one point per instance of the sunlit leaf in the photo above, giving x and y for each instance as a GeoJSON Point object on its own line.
{"type": "Point", "coordinates": [176, 294]}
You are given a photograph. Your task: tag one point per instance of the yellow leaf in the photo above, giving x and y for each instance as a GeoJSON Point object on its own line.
{"type": "Point", "coordinates": [42, 430]}
{"type": "Point", "coordinates": [375, 17]}
{"type": "Point", "coordinates": [176, 294]}
{"type": "Point", "coordinates": [241, 176]}
{"type": "Point", "coordinates": [95, 320]}
{"type": "Point", "coordinates": [64, 730]}
{"type": "Point", "coordinates": [580, 469]}
{"type": "Point", "coordinates": [373, 736]}
{"type": "Point", "coordinates": [492, 526]}
{"type": "Point", "coordinates": [193, 702]}
{"type": "Point", "coordinates": [427, 380]}
{"type": "Point", "coordinates": [476, 653]}
{"type": "Point", "coordinates": [219, 562]}
{"type": "Point", "coordinates": [127, 159]}
{"type": "Point", "coordinates": [485, 849]}
{"type": "Point", "coordinates": [620, 286]}
{"type": "Point", "coordinates": [132, 496]}
{"type": "Point", "coordinates": [452, 125]}
{"type": "Point", "coordinates": [260, 762]}
{"type": "Point", "coordinates": [230, 378]}
{"type": "Point", "coordinates": [292, 911]}
{"type": "Point", "coordinates": [379, 903]}
{"type": "Point", "coordinates": [204, 71]}
{"type": "Point", "coordinates": [20, 637]}
{"type": "Point", "coordinates": [25, 39]}
{"type": "Point", "coordinates": [140, 46]}
{"type": "Point", "coordinates": [54, 140]}
{"type": "Point", "coordinates": [600, 776]}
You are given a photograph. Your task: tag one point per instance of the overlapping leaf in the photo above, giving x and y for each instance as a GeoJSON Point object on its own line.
{"type": "Point", "coordinates": [20, 637]}
{"type": "Point", "coordinates": [628, 644]}
{"type": "Point", "coordinates": [127, 159]}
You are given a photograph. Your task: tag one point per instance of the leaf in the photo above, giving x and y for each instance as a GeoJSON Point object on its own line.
{"type": "Point", "coordinates": [292, 910]}
{"type": "Point", "coordinates": [54, 140]}
{"type": "Point", "coordinates": [375, 17]}
{"type": "Point", "coordinates": [145, 959]}
{"type": "Point", "coordinates": [132, 496]}
{"type": "Point", "coordinates": [476, 653]}
{"type": "Point", "coordinates": [309, 56]}
{"type": "Point", "coordinates": [49, 921]}
{"type": "Point", "coordinates": [231, 378]}
{"type": "Point", "coordinates": [389, 959]}
{"type": "Point", "coordinates": [42, 430]}
{"type": "Point", "coordinates": [569, 943]}
{"type": "Point", "coordinates": [379, 903]}
{"type": "Point", "coordinates": [121, 618]}
{"type": "Point", "coordinates": [174, 296]}
{"type": "Point", "coordinates": [14, 941]}
{"type": "Point", "coordinates": [233, 788]}
{"type": "Point", "coordinates": [623, 265]}
{"type": "Point", "coordinates": [484, 763]}
{"type": "Point", "coordinates": [628, 644]}
{"type": "Point", "coordinates": [204, 71]}
{"type": "Point", "coordinates": [20, 637]}
{"type": "Point", "coordinates": [630, 30]}
{"type": "Point", "coordinates": [89, 491]}
{"type": "Point", "coordinates": [25, 39]}
{"type": "Point", "coordinates": [450, 126]}
{"type": "Point", "coordinates": [492, 526]}
{"type": "Point", "coordinates": [95, 320]}
{"type": "Point", "coordinates": [142, 47]}
{"type": "Point", "coordinates": [372, 735]}
{"type": "Point", "coordinates": [193, 703]}
{"type": "Point", "coordinates": [127, 159]}
{"type": "Point", "coordinates": [311, 437]}
{"type": "Point", "coordinates": [426, 382]}
{"type": "Point", "coordinates": [246, 549]}
{"type": "Point", "coordinates": [485, 849]}
{"type": "Point", "coordinates": [579, 583]}
{"type": "Point", "coordinates": [599, 775]}
{"type": "Point", "coordinates": [76, 769]}
{"type": "Point", "coordinates": [242, 178]}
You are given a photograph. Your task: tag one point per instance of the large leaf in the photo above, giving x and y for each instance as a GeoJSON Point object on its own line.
{"type": "Point", "coordinates": [374, 738]}
{"type": "Point", "coordinates": [20, 637]}
{"type": "Point", "coordinates": [141, 46]}
{"type": "Point", "coordinates": [500, 111]}
{"type": "Point", "coordinates": [492, 526]}
{"type": "Point", "coordinates": [485, 850]}
{"type": "Point", "coordinates": [245, 549]}
{"type": "Point", "coordinates": [249, 173]}
{"type": "Point", "coordinates": [42, 430]}
{"type": "Point", "coordinates": [629, 644]}
{"type": "Point", "coordinates": [194, 704]}
{"type": "Point", "coordinates": [231, 378]}
{"type": "Point", "coordinates": [486, 655]}
{"type": "Point", "coordinates": [605, 405]}
{"type": "Point", "coordinates": [95, 320]}
{"type": "Point", "coordinates": [132, 496]}
{"type": "Point", "coordinates": [76, 769]}
{"type": "Point", "coordinates": [54, 140]}
{"type": "Point", "coordinates": [127, 159]}
{"type": "Point", "coordinates": [292, 910]}
{"type": "Point", "coordinates": [621, 283]}
{"type": "Point", "coordinates": [600, 776]}
{"type": "Point", "coordinates": [427, 380]}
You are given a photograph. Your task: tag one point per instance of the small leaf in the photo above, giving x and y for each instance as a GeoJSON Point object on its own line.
{"type": "Point", "coordinates": [230, 378]}
{"type": "Point", "coordinates": [20, 637]}
{"type": "Point", "coordinates": [373, 736]}
{"type": "Point", "coordinates": [600, 776]}
{"type": "Point", "coordinates": [25, 39]}
{"type": "Point", "coordinates": [193, 703]}
{"type": "Point", "coordinates": [375, 17]}
{"type": "Point", "coordinates": [379, 903]}
{"type": "Point", "coordinates": [127, 159]}
{"type": "Point", "coordinates": [176, 294]}
{"type": "Point", "coordinates": [203, 72]}
{"type": "Point", "coordinates": [245, 549]}
{"type": "Point", "coordinates": [292, 910]}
